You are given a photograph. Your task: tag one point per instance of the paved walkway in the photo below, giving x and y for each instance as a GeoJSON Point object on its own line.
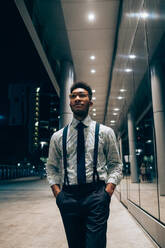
{"type": "Point", "coordinates": [29, 218]}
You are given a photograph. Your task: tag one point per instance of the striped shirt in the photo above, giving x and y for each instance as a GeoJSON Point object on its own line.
{"type": "Point", "coordinates": [109, 165]}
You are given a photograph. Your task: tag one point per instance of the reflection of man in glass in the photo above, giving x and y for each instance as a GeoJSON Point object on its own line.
{"type": "Point", "coordinates": [143, 171]}
{"type": "Point", "coordinates": [84, 158]}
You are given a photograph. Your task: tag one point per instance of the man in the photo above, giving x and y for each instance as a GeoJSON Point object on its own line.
{"type": "Point", "coordinates": [84, 159]}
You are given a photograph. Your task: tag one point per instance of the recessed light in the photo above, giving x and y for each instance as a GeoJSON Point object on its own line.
{"type": "Point", "coordinates": [128, 70]}
{"type": "Point", "coordinates": [122, 90]}
{"type": "Point", "coordinates": [132, 56]}
{"type": "Point", "coordinates": [94, 114]}
{"type": "Point", "coordinates": [91, 17]}
{"type": "Point", "coordinates": [93, 91]}
{"type": "Point", "coordinates": [93, 98]}
{"type": "Point", "coordinates": [115, 113]}
{"type": "Point", "coordinates": [92, 57]}
{"type": "Point", "coordinates": [94, 110]}
{"type": "Point", "coordinates": [93, 71]}
{"type": "Point", "coordinates": [144, 15]}
{"type": "Point", "coordinates": [112, 121]}
{"type": "Point", "coordinates": [116, 109]}
{"type": "Point", "coordinates": [120, 97]}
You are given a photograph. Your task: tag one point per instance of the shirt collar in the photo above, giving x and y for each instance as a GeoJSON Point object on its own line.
{"type": "Point", "coordinates": [86, 121]}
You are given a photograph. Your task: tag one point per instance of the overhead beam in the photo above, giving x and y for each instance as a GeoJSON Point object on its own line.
{"type": "Point", "coordinates": [34, 36]}
{"type": "Point", "coordinates": [113, 58]}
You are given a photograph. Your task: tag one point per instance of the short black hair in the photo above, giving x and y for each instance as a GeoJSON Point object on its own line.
{"type": "Point", "coordinates": [82, 85]}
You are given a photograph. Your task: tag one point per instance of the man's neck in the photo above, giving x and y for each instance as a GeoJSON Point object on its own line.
{"type": "Point", "coordinates": [80, 118]}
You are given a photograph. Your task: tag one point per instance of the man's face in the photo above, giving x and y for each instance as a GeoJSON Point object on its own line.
{"type": "Point", "coordinates": [80, 102]}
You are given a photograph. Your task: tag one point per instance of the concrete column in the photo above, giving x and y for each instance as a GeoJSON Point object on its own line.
{"type": "Point", "coordinates": [121, 149]}
{"type": "Point", "coordinates": [158, 99]}
{"type": "Point", "coordinates": [67, 78]}
{"type": "Point", "coordinates": [132, 148]}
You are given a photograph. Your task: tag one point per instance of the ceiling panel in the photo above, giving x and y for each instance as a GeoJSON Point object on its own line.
{"type": "Point", "coordinates": [76, 14]}
{"type": "Point", "coordinates": [91, 39]}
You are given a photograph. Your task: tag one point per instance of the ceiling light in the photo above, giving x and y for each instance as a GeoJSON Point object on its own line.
{"type": "Point", "coordinates": [94, 114]}
{"type": "Point", "coordinates": [93, 71]}
{"type": "Point", "coordinates": [122, 90]}
{"type": "Point", "coordinates": [132, 56]}
{"type": "Point", "coordinates": [112, 121]}
{"type": "Point", "coordinates": [115, 113]}
{"type": "Point", "coordinates": [144, 15]}
{"type": "Point", "coordinates": [116, 109]}
{"type": "Point", "coordinates": [128, 70]}
{"type": "Point", "coordinates": [120, 97]}
{"type": "Point", "coordinates": [91, 17]}
{"type": "Point", "coordinates": [93, 98]}
{"type": "Point", "coordinates": [94, 110]}
{"type": "Point", "coordinates": [93, 91]}
{"type": "Point", "coordinates": [92, 57]}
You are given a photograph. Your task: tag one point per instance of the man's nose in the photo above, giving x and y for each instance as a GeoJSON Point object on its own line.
{"type": "Point", "coordinates": [77, 98]}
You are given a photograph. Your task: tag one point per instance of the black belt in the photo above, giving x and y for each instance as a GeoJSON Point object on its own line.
{"type": "Point", "coordinates": [77, 188]}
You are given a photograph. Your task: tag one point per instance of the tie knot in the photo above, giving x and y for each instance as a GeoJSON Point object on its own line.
{"type": "Point", "coordinates": [80, 125]}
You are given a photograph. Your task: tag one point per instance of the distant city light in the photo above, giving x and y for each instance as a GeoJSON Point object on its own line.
{"type": "Point", "coordinates": [37, 123]}
{"type": "Point", "coordinates": [2, 117]}
{"type": "Point", "coordinates": [43, 143]}
{"type": "Point", "coordinates": [38, 89]}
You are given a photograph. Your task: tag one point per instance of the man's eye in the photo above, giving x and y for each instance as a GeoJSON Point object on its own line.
{"type": "Point", "coordinates": [82, 95]}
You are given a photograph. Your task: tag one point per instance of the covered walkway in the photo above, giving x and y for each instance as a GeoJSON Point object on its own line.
{"type": "Point", "coordinates": [30, 219]}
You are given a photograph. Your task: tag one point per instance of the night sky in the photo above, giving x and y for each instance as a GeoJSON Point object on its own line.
{"type": "Point", "coordinates": [20, 63]}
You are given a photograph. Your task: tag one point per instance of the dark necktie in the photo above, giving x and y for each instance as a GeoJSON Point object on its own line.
{"type": "Point", "coordinates": [81, 174]}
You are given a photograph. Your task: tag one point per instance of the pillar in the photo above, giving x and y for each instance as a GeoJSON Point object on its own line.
{"type": "Point", "coordinates": [121, 148]}
{"type": "Point", "coordinates": [67, 78]}
{"type": "Point", "coordinates": [132, 148]}
{"type": "Point", "coordinates": [158, 99]}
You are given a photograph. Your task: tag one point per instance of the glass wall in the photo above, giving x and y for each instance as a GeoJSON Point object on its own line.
{"type": "Point", "coordinates": [145, 153]}
{"type": "Point", "coordinates": [149, 47]}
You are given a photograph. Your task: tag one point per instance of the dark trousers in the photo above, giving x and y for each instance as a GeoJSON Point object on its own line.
{"type": "Point", "coordinates": [85, 211]}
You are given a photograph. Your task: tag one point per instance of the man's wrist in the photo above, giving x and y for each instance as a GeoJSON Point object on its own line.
{"type": "Point", "coordinates": [56, 189]}
{"type": "Point", "coordinates": [110, 187]}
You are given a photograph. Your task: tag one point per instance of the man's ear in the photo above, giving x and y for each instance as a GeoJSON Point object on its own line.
{"type": "Point", "coordinates": [90, 104]}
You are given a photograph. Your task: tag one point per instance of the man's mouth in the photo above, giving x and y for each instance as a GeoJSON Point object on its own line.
{"type": "Point", "coordinates": [79, 105]}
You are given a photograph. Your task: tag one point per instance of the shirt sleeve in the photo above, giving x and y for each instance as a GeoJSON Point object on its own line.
{"type": "Point", "coordinates": [53, 166]}
{"type": "Point", "coordinates": [114, 164]}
